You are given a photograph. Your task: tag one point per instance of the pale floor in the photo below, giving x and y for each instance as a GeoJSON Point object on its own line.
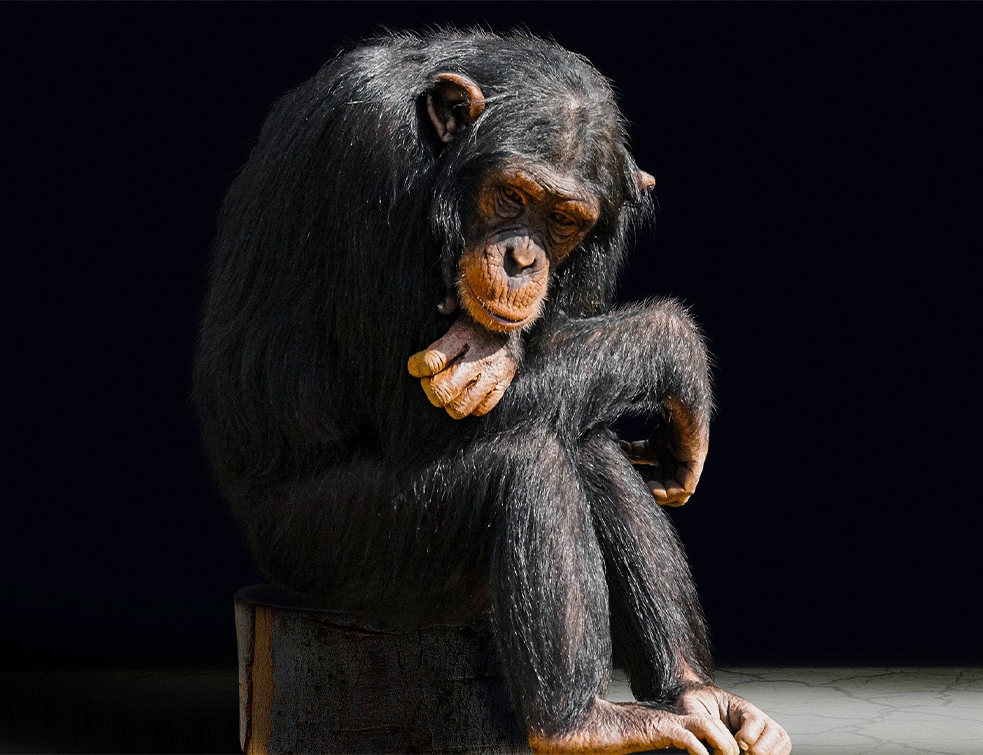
{"type": "Point", "coordinates": [860, 711]}
{"type": "Point", "coordinates": [827, 711]}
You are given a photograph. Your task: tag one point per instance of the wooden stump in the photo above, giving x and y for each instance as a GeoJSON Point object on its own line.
{"type": "Point", "coordinates": [318, 681]}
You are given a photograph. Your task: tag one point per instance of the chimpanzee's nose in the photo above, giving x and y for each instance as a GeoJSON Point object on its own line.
{"type": "Point", "coordinates": [521, 257]}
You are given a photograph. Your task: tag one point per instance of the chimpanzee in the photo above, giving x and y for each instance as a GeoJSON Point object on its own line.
{"type": "Point", "coordinates": [462, 200]}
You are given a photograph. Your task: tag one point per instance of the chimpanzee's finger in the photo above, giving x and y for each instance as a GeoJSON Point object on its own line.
{"type": "Point", "coordinates": [465, 402]}
{"type": "Point", "coordinates": [637, 451]}
{"type": "Point", "coordinates": [430, 362]}
{"type": "Point", "coordinates": [427, 384]}
{"type": "Point", "coordinates": [764, 737]}
{"type": "Point", "coordinates": [491, 399]}
{"type": "Point", "coordinates": [453, 382]}
{"type": "Point", "coordinates": [688, 472]}
{"type": "Point", "coordinates": [711, 729]}
{"type": "Point", "coordinates": [439, 354]}
{"type": "Point", "coordinates": [668, 492]}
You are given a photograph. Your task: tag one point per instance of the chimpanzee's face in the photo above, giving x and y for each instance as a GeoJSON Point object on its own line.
{"type": "Point", "coordinates": [528, 219]}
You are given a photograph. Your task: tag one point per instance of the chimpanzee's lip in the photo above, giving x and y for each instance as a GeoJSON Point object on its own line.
{"type": "Point", "coordinates": [500, 318]}
{"type": "Point", "coordinates": [507, 322]}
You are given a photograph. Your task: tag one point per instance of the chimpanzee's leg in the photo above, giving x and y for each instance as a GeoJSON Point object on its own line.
{"type": "Point", "coordinates": [655, 617]}
{"type": "Point", "coordinates": [365, 538]}
{"type": "Point", "coordinates": [548, 591]}
{"type": "Point", "coordinates": [656, 623]}
{"type": "Point", "coordinates": [407, 546]}
{"type": "Point", "coordinates": [550, 605]}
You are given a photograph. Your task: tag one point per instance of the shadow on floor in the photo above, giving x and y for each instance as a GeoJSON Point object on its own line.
{"type": "Point", "coordinates": [180, 711]}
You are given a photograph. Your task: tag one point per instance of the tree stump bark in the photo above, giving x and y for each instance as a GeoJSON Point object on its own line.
{"type": "Point", "coordinates": [319, 681]}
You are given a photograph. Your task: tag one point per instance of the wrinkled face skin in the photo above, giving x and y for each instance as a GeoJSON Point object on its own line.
{"type": "Point", "coordinates": [528, 220]}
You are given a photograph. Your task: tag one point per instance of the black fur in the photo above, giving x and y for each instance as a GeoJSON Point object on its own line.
{"type": "Point", "coordinates": [337, 242]}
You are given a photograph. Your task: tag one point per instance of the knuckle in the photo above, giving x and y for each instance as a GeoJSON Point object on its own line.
{"type": "Point", "coordinates": [444, 394]}
{"type": "Point", "coordinates": [459, 410]}
{"type": "Point", "coordinates": [456, 413]}
{"type": "Point", "coordinates": [439, 389]}
{"type": "Point", "coordinates": [434, 360]}
{"type": "Point", "coordinates": [694, 724]}
{"type": "Point", "coordinates": [466, 401]}
{"type": "Point", "coordinates": [427, 384]}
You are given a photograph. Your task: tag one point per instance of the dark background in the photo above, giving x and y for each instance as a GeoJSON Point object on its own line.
{"type": "Point", "coordinates": [817, 171]}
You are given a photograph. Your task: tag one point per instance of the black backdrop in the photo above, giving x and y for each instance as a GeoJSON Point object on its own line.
{"type": "Point", "coordinates": [818, 178]}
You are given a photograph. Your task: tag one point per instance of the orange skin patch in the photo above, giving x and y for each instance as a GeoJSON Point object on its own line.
{"type": "Point", "coordinates": [492, 298]}
{"type": "Point", "coordinates": [466, 371]}
{"type": "Point", "coordinates": [527, 222]}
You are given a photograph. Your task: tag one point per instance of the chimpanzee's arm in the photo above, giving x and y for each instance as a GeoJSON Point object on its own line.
{"type": "Point", "coordinates": [642, 360]}
{"type": "Point", "coordinates": [598, 369]}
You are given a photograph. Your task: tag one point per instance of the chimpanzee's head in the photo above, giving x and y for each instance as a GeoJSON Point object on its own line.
{"type": "Point", "coordinates": [537, 169]}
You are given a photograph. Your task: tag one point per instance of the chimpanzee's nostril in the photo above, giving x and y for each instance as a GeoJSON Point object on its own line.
{"type": "Point", "coordinates": [518, 258]}
{"type": "Point", "coordinates": [512, 267]}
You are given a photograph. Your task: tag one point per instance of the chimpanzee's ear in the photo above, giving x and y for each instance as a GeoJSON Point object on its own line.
{"type": "Point", "coordinates": [454, 102]}
{"type": "Point", "coordinates": [646, 181]}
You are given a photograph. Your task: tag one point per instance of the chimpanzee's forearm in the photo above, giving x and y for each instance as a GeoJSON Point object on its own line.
{"type": "Point", "coordinates": [584, 372]}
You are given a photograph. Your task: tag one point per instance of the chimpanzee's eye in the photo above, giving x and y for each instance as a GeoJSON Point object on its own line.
{"type": "Point", "coordinates": [563, 223]}
{"type": "Point", "coordinates": [509, 202]}
{"type": "Point", "coordinates": [510, 194]}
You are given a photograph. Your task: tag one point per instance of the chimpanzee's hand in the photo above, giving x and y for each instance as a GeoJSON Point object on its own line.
{"type": "Point", "coordinates": [671, 461]}
{"type": "Point", "coordinates": [756, 732]}
{"type": "Point", "coordinates": [466, 371]}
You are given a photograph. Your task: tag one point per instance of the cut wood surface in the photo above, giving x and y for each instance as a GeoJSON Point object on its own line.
{"type": "Point", "coordinates": [319, 681]}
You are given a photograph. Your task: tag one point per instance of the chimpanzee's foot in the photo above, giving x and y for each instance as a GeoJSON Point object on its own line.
{"type": "Point", "coordinates": [617, 728]}
{"type": "Point", "coordinates": [756, 732]}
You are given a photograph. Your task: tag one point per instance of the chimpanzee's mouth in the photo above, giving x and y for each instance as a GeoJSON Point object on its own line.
{"type": "Point", "coordinates": [471, 301]}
